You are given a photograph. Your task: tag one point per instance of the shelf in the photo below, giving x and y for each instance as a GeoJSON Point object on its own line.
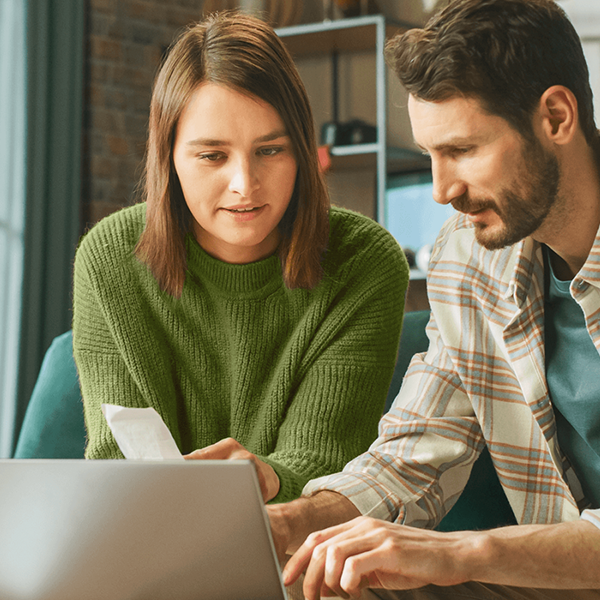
{"type": "Point", "coordinates": [417, 274]}
{"type": "Point", "coordinates": [400, 160]}
{"type": "Point", "coordinates": [355, 156]}
{"type": "Point", "coordinates": [359, 156]}
{"type": "Point", "coordinates": [344, 35]}
{"type": "Point", "coordinates": [333, 39]}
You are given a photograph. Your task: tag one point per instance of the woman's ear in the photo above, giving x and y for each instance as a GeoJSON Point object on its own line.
{"type": "Point", "coordinates": [559, 114]}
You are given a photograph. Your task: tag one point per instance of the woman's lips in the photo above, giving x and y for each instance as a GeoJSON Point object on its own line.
{"type": "Point", "coordinates": [244, 213]}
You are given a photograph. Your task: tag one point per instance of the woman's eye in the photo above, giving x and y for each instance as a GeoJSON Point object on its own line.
{"type": "Point", "coordinates": [270, 151]}
{"type": "Point", "coordinates": [211, 156]}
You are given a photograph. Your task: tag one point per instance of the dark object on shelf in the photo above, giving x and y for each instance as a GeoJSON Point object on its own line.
{"type": "Point", "coordinates": [410, 257]}
{"type": "Point", "coordinates": [344, 134]}
{"type": "Point", "coordinates": [332, 134]}
{"type": "Point", "coordinates": [360, 132]}
{"type": "Point", "coordinates": [354, 8]}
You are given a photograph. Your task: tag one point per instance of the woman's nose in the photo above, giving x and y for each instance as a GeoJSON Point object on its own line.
{"type": "Point", "coordinates": [244, 178]}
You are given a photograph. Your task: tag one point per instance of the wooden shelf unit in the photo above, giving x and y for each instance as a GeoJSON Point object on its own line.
{"type": "Point", "coordinates": [330, 38]}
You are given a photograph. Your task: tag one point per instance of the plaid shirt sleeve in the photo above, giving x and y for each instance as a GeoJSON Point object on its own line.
{"type": "Point", "coordinates": [593, 516]}
{"type": "Point", "coordinates": [482, 381]}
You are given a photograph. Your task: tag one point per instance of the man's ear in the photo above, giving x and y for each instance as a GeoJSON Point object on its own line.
{"type": "Point", "coordinates": [559, 114]}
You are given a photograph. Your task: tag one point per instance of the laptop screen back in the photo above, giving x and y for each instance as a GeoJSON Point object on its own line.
{"type": "Point", "coordinates": [134, 530]}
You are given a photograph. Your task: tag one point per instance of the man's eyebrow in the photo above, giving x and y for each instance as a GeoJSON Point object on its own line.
{"type": "Point", "coordinates": [451, 143]}
{"type": "Point", "coordinates": [269, 137]}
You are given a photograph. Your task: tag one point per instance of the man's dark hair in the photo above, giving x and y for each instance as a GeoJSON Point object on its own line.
{"type": "Point", "coordinates": [505, 53]}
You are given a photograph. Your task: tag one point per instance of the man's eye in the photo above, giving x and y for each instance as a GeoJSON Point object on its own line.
{"type": "Point", "coordinates": [461, 151]}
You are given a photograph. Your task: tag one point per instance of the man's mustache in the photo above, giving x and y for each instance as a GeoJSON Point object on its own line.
{"type": "Point", "coordinates": [465, 204]}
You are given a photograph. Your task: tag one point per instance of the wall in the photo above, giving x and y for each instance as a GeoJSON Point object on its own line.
{"type": "Point", "coordinates": [125, 41]}
{"type": "Point", "coordinates": [585, 16]}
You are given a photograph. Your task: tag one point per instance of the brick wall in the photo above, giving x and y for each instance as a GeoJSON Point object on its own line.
{"type": "Point", "coordinates": [125, 42]}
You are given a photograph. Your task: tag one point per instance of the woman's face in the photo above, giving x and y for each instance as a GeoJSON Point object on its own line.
{"type": "Point", "coordinates": [237, 170]}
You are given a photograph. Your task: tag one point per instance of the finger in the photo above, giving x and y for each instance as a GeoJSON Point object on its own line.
{"type": "Point", "coordinates": [326, 564]}
{"type": "Point", "coordinates": [267, 479]}
{"type": "Point", "coordinates": [221, 450]}
{"type": "Point", "coordinates": [343, 548]}
{"type": "Point", "coordinates": [357, 569]}
{"type": "Point", "coordinates": [208, 453]}
{"type": "Point", "coordinates": [334, 564]}
{"type": "Point", "coordinates": [296, 565]}
{"type": "Point", "coordinates": [301, 558]}
{"type": "Point", "coordinates": [195, 455]}
{"type": "Point", "coordinates": [330, 556]}
{"type": "Point", "coordinates": [376, 568]}
{"type": "Point", "coordinates": [313, 578]}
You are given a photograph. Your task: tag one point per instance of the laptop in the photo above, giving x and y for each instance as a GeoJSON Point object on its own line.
{"type": "Point", "coordinates": [134, 530]}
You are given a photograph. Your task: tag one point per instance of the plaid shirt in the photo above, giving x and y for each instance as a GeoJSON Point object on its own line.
{"type": "Point", "coordinates": [482, 381]}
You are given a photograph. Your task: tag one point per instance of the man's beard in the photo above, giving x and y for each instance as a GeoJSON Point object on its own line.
{"type": "Point", "coordinates": [525, 205]}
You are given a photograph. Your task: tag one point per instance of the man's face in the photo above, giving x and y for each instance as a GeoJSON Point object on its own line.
{"type": "Point", "coordinates": [505, 184]}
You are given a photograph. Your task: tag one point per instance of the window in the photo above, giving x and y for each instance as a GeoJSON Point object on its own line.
{"type": "Point", "coordinates": [12, 204]}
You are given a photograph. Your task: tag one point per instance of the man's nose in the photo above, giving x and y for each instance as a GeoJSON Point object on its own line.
{"type": "Point", "coordinates": [447, 185]}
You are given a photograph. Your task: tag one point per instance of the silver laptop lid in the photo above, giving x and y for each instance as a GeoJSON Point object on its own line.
{"type": "Point", "coordinates": [134, 530]}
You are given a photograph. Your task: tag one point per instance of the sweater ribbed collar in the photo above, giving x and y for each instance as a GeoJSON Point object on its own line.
{"type": "Point", "coordinates": [252, 279]}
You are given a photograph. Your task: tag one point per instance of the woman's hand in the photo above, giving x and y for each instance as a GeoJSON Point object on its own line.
{"type": "Point", "coordinates": [230, 449]}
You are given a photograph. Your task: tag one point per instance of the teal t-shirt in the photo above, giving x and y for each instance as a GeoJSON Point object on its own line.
{"type": "Point", "coordinates": [573, 375]}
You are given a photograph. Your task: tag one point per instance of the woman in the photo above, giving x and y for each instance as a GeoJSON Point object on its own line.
{"type": "Point", "coordinates": [258, 322]}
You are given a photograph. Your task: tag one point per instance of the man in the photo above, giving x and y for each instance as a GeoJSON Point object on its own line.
{"type": "Point", "coordinates": [499, 98]}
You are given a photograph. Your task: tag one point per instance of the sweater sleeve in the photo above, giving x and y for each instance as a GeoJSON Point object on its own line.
{"type": "Point", "coordinates": [109, 355]}
{"type": "Point", "coordinates": [344, 380]}
{"type": "Point", "coordinates": [99, 364]}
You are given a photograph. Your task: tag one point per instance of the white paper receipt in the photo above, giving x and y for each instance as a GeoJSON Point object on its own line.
{"type": "Point", "coordinates": [140, 433]}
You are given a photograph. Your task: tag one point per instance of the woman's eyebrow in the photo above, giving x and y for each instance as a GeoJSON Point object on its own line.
{"type": "Point", "coordinates": [206, 142]}
{"type": "Point", "coordinates": [273, 135]}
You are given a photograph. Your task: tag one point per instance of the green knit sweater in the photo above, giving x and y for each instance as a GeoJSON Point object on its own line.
{"type": "Point", "coordinates": [298, 377]}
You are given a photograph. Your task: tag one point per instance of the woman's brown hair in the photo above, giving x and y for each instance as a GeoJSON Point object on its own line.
{"type": "Point", "coordinates": [243, 53]}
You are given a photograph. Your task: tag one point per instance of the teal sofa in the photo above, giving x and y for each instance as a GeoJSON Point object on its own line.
{"type": "Point", "coordinates": [53, 424]}
{"type": "Point", "coordinates": [53, 427]}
